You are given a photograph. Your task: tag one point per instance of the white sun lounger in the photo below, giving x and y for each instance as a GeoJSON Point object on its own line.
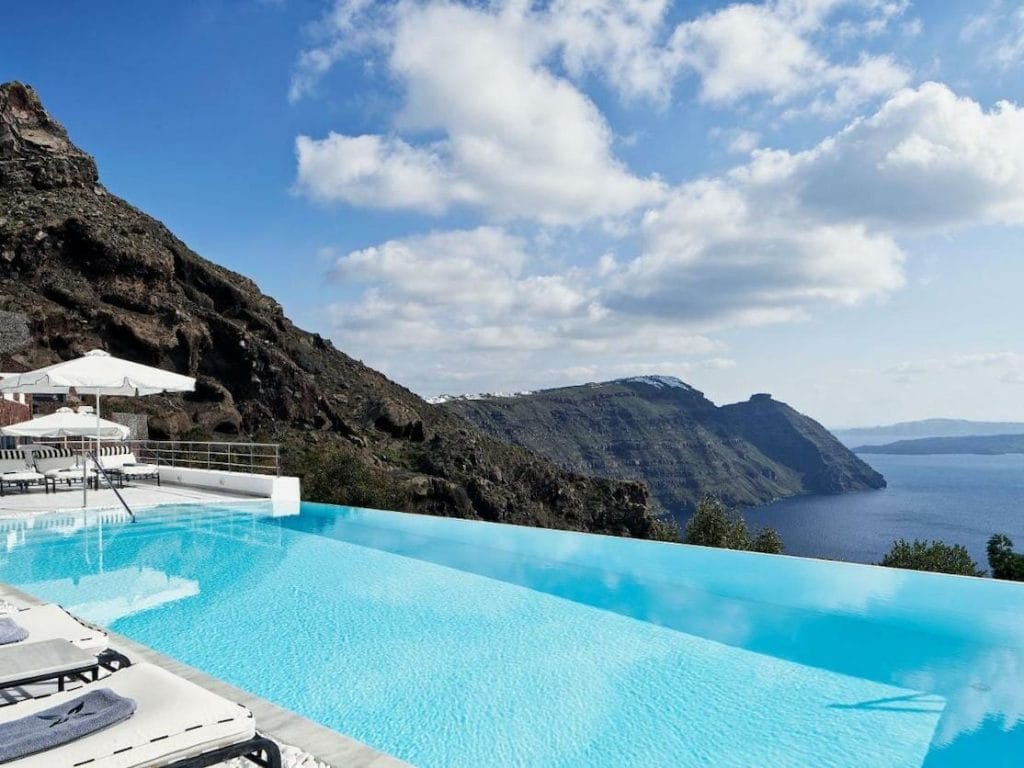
{"type": "Point", "coordinates": [51, 622]}
{"type": "Point", "coordinates": [176, 724]}
{"type": "Point", "coordinates": [15, 471]}
{"type": "Point", "coordinates": [22, 479]}
{"type": "Point", "coordinates": [60, 465]}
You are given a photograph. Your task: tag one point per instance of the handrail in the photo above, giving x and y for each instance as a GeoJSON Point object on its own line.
{"type": "Point", "coordinates": [230, 456]}
{"type": "Point", "coordinates": [102, 471]}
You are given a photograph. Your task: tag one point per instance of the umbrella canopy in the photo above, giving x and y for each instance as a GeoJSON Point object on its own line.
{"type": "Point", "coordinates": [66, 423]}
{"type": "Point", "coordinates": [98, 373]}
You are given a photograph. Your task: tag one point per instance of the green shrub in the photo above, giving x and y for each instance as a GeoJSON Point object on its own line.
{"type": "Point", "coordinates": [664, 530]}
{"type": "Point", "coordinates": [935, 556]}
{"type": "Point", "coordinates": [1004, 562]}
{"type": "Point", "coordinates": [768, 541]}
{"type": "Point", "coordinates": [336, 474]}
{"type": "Point", "coordinates": [714, 525]}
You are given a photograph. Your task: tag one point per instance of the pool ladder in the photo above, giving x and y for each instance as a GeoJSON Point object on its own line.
{"type": "Point", "coordinates": [102, 471]}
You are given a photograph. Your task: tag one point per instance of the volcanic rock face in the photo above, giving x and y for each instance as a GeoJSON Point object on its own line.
{"type": "Point", "coordinates": [35, 152]}
{"type": "Point", "coordinates": [84, 269]}
{"type": "Point", "coordinates": [664, 432]}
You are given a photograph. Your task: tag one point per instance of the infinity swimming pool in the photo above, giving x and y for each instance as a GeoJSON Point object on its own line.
{"type": "Point", "coordinates": [452, 643]}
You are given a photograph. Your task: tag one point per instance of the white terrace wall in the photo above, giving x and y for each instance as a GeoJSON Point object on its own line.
{"type": "Point", "coordinates": [268, 486]}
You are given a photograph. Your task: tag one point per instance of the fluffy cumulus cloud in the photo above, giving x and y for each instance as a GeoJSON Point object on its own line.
{"type": "Point", "coordinates": [769, 49]}
{"type": "Point", "coordinates": [620, 40]}
{"type": "Point", "coordinates": [376, 171]}
{"type": "Point", "coordinates": [764, 242]}
{"type": "Point", "coordinates": [517, 141]}
{"type": "Point", "coordinates": [927, 158]}
{"type": "Point", "coordinates": [489, 122]}
{"type": "Point", "coordinates": [574, 265]}
{"type": "Point", "coordinates": [788, 229]}
{"type": "Point", "coordinates": [720, 252]}
{"type": "Point", "coordinates": [460, 305]}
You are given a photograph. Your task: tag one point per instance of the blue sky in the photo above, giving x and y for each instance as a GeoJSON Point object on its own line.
{"type": "Point", "coordinates": [818, 198]}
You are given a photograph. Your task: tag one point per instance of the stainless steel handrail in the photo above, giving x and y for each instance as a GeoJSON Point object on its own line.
{"type": "Point", "coordinates": [102, 471]}
{"type": "Point", "coordinates": [256, 458]}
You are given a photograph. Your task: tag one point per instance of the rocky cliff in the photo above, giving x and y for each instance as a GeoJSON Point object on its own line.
{"type": "Point", "coordinates": [81, 268]}
{"type": "Point", "coordinates": [664, 432]}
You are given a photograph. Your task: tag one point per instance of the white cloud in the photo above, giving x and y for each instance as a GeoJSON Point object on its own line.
{"type": "Point", "coordinates": [927, 158]}
{"type": "Point", "coordinates": [493, 118]}
{"type": "Point", "coordinates": [619, 39]}
{"type": "Point", "coordinates": [742, 142]}
{"type": "Point", "coordinates": [719, 253]}
{"type": "Point", "coordinates": [487, 123]}
{"type": "Point", "coordinates": [518, 141]}
{"type": "Point", "coordinates": [475, 299]}
{"type": "Point", "coordinates": [766, 242]}
{"type": "Point", "coordinates": [999, 34]}
{"type": "Point", "coordinates": [376, 171]}
{"type": "Point", "coordinates": [347, 27]}
{"type": "Point", "coordinates": [769, 49]}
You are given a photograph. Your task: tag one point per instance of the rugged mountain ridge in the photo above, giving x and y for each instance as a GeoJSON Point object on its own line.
{"type": "Point", "coordinates": [665, 432]}
{"type": "Point", "coordinates": [81, 268]}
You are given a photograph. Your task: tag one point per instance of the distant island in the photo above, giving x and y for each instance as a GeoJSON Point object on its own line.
{"type": "Point", "coordinates": [914, 430]}
{"type": "Point", "coordinates": [983, 445]}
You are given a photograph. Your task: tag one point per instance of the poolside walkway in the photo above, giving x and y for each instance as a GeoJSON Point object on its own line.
{"type": "Point", "coordinates": [138, 496]}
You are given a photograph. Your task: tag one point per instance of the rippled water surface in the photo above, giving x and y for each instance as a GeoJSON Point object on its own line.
{"type": "Point", "coordinates": [452, 643]}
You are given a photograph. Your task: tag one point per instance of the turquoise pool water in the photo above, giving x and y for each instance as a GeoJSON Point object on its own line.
{"type": "Point", "coordinates": [451, 643]}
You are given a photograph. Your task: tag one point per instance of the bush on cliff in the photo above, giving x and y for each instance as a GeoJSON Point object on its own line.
{"type": "Point", "coordinates": [1004, 562]}
{"type": "Point", "coordinates": [934, 556]}
{"type": "Point", "coordinates": [714, 525]}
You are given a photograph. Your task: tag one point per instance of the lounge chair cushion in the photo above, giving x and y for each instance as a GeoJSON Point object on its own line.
{"type": "Point", "coordinates": [174, 719]}
{"type": "Point", "coordinates": [116, 460]}
{"type": "Point", "coordinates": [138, 469]}
{"type": "Point", "coordinates": [47, 622]}
{"type": "Point", "coordinates": [47, 657]}
{"type": "Point", "coordinates": [56, 464]}
{"type": "Point", "coordinates": [24, 476]}
{"type": "Point", "coordinates": [72, 473]}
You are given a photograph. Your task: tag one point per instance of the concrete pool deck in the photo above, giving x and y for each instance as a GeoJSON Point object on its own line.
{"type": "Point", "coordinates": [19, 504]}
{"type": "Point", "coordinates": [323, 745]}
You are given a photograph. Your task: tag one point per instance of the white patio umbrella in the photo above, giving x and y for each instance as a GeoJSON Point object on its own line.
{"type": "Point", "coordinates": [98, 373]}
{"type": "Point", "coordinates": [67, 423]}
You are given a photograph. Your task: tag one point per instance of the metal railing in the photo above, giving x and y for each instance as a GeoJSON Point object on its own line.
{"type": "Point", "coordinates": [256, 458]}
{"type": "Point", "coordinates": [103, 473]}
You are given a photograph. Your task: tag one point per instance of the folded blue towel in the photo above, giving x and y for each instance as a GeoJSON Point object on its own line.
{"type": "Point", "coordinates": [11, 632]}
{"type": "Point", "coordinates": [62, 724]}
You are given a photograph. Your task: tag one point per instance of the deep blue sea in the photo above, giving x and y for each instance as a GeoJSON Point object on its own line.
{"type": "Point", "coordinates": [960, 499]}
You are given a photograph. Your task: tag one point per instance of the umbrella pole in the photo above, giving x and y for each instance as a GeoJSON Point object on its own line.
{"type": "Point", "coordinates": [85, 463]}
